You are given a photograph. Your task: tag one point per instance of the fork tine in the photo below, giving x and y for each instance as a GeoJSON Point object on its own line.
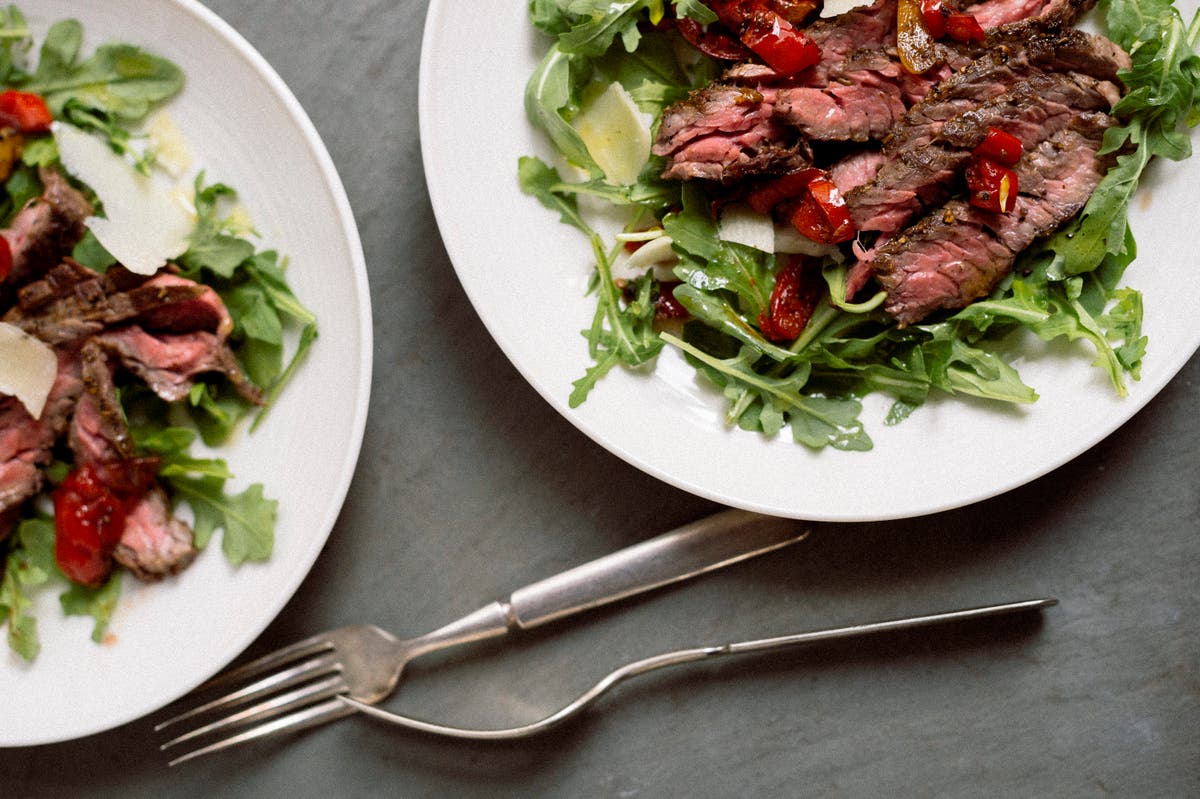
{"type": "Point", "coordinates": [307, 647]}
{"type": "Point", "coordinates": [275, 682]}
{"type": "Point", "coordinates": [276, 705]}
{"type": "Point", "coordinates": [326, 711]}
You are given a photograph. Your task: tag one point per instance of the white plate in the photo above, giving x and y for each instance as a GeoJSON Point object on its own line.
{"type": "Point", "coordinates": [525, 273]}
{"type": "Point", "coordinates": [246, 128]}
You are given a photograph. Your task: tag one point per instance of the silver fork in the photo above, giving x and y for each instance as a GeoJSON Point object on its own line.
{"type": "Point", "coordinates": [298, 686]}
{"type": "Point", "coordinates": [681, 656]}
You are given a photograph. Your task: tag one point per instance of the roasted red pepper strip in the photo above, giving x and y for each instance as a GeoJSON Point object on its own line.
{"type": "Point", "coordinates": [6, 259]}
{"type": "Point", "coordinates": [822, 214]}
{"type": "Point", "coordinates": [665, 305]}
{"type": "Point", "coordinates": [797, 290]}
{"type": "Point", "coordinates": [964, 28]}
{"type": "Point", "coordinates": [992, 186]}
{"type": "Point", "coordinates": [1001, 147]}
{"type": "Point", "coordinates": [765, 197]}
{"type": "Point", "coordinates": [88, 521]}
{"type": "Point", "coordinates": [935, 12]}
{"type": "Point", "coordinates": [24, 111]}
{"type": "Point", "coordinates": [712, 42]}
{"type": "Point", "coordinates": [772, 38]}
{"type": "Point", "coordinates": [90, 507]}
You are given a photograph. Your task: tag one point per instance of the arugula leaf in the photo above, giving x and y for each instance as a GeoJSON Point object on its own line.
{"type": "Point", "coordinates": [99, 603]}
{"type": "Point", "coordinates": [591, 26]}
{"type": "Point", "coordinates": [588, 27]}
{"type": "Point", "coordinates": [816, 422]}
{"type": "Point", "coordinates": [1163, 94]}
{"type": "Point", "coordinates": [247, 519]}
{"type": "Point", "coordinates": [31, 565]}
{"type": "Point", "coordinates": [27, 567]}
{"type": "Point", "coordinates": [211, 246]}
{"type": "Point", "coordinates": [15, 41]}
{"type": "Point", "coordinates": [709, 264]}
{"type": "Point", "coordinates": [118, 85]}
{"type": "Point", "coordinates": [621, 332]}
{"type": "Point", "coordinates": [255, 290]}
{"type": "Point", "coordinates": [553, 97]}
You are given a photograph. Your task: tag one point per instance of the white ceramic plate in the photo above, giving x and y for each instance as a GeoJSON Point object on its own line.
{"type": "Point", "coordinates": [246, 128]}
{"type": "Point", "coordinates": [525, 273]}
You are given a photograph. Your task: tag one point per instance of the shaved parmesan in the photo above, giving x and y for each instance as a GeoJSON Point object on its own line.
{"type": "Point", "coordinates": [27, 368]}
{"type": "Point", "coordinates": [143, 226]}
{"type": "Point", "coordinates": [834, 8]}
{"type": "Point", "coordinates": [616, 134]}
{"type": "Point", "coordinates": [743, 225]}
{"type": "Point", "coordinates": [656, 254]}
{"type": "Point", "coordinates": [170, 148]}
{"type": "Point", "coordinates": [793, 242]}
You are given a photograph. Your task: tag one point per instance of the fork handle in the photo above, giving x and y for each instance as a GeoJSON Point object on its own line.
{"type": "Point", "coordinates": [702, 546]}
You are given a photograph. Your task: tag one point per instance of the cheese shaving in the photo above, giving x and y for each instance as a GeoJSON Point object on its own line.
{"type": "Point", "coordinates": [27, 368]}
{"type": "Point", "coordinates": [143, 226]}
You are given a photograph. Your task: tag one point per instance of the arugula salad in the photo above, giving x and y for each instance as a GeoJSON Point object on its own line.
{"type": "Point", "coordinates": [711, 296]}
{"type": "Point", "coordinates": [224, 297]}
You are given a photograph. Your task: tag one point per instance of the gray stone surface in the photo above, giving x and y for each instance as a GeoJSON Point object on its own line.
{"type": "Point", "coordinates": [470, 485]}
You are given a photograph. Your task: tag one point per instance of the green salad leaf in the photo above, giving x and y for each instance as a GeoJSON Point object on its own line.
{"type": "Point", "coordinates": [16, 41]}
{"type": "Point", "coordinates": [115, 87]}
{"type": "Point", "coordinates": [247, 519]}
{"type": "Point", "coordinates": [254, 288]}
{"type": "Point", "coordinates": [30, 566]}
{"type": "Point", "coordinates": [1161, 101]}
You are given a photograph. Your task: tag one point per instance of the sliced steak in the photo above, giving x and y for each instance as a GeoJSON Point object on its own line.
{"type": "Point", "coordinates": [923, 175]}
{"type": "Point", "coordinates": [89, 307]}
{"type": "Point", "coordinates": [98, 432]}
{"type": "Point", "coordinates": [958, 253]}
{"type": "Point", "coordinates": [19, 480]}
{"type": "Point", "coordinates": [856, 169]}
{"type": "Point", "coordinates": [865, 107]}
{"type": "Point", "coordinates": [725, 132]}
{"type": "Point", "coordinates": [169, 363]}
{"type": "Point", "coordinates": [26, 443]}
{"type": "Point", "coordinates": [45, 230]}
{"type": "Point", "coordinates": [206, 312]}
{"type": "Point", "coordinates": [1003, 67]}
{"type": "Point", "coordinates": [154, 543]}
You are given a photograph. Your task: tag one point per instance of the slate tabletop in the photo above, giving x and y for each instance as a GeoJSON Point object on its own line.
{"type": "Point", "coordinates": [470, 485]}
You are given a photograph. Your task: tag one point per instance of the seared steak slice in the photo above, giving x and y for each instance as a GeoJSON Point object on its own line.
{"type": "Point", "coordinates": [98, 433]}
{"type": "Point", "coordinates": [88, 308]}
{"type": "Point", "coordinates": [19, 480]}
{"type": "Point", "coordinates": [154, 543]}
{"type": "Point", "coordinates": [725, 132]}
{"type": "Point", "coordinates": [866, 106]}
{"type": "Point", "coordinates": [958, 253]}
{"type": "Point", "coordinates": [856, 169]}
{"type": "Point", "coordinates": [206, 312]}
{"type": "Point", "coordinates": [168, 363]}
{"type": "Point", "coordinates": [923, 174]}
{"type": "Point", "coordinates": [1001, 68]}
{"type": "Point", "coordinates": [25, 442]}
{"type": "Point", "coordinates": [45, 230]}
